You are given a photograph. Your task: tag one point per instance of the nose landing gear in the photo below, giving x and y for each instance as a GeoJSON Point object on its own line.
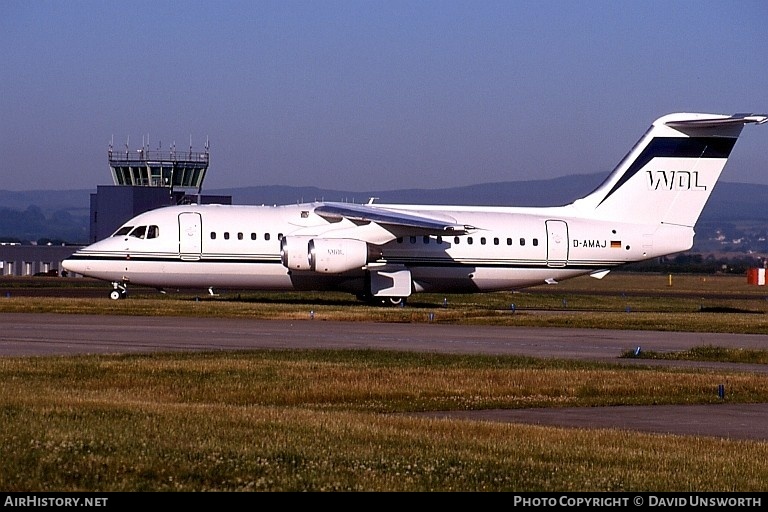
{"type": "Point", "coordinates": [119, 290]}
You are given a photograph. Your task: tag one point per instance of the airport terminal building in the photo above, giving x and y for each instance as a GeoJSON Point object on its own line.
{"type": "Point", "coordinates": [31, 260]}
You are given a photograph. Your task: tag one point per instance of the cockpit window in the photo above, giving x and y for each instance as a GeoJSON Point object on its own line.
{"type": "Point", "coordinates": [139, 232]}
{"type": "Point", "coordinates": [123, 231]}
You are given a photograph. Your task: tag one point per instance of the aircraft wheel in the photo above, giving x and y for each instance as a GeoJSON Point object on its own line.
{"type": "Point", "coordinates": [115, 294]}
{"type": "Point", "coordinates": [383, 301]}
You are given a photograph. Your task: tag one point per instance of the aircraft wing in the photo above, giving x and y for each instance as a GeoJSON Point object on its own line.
{"type": "Point", "coordinates": [365, 213]}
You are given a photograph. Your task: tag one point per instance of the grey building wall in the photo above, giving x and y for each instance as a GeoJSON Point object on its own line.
{"type": "Point", "coordinates": [112, 205]}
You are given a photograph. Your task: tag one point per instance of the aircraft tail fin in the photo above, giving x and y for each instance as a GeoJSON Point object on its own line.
{"type": "Point", "coordinates": [668, 176]}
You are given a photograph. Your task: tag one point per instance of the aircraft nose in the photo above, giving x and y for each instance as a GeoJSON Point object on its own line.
{"type": "Point", "coordinates": [74, 266]}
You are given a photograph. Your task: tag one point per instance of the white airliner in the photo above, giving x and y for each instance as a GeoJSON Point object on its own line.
{"type": "Point", "coordinates": [646, 208]}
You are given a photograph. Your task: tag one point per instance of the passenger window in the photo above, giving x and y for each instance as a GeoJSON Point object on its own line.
{"type": "Point", "coordinates": [426, 239]}
{"type": "Point", "coordinates": [399, 239]}
{"type": "Point", "coordinates": [495, 241]}
{"type": "Point", "coordinates": [413, 239]}
{"type": "Point", "coordinates": [522, 241]}
{"type": "Point", "coordinates": [239, 236]}
{"type": "Point", "coordinates": [456, 240]}
{"type": "Point", "coordinates": [482, 240]}
{"type": "Point", "coordinates": [439, 240]}
{"type": "Point", "coordinates": [213, 235]}
{"type": "Point", "coordinates": [226, 235]}
{"type": "Point", "coordinates": [469, 240]}
{"type": "Point", "coordinates": [253, 236]}
{"type": "Point", "coordinates": [279, 236]}
{"type": "Point", "coordinates": [509, 241]}
{"type": "Point", "coordinates": [266, 236]}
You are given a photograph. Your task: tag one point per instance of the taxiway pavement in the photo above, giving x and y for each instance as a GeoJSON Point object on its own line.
{"type": "Point", "coordinates": [31, 334]}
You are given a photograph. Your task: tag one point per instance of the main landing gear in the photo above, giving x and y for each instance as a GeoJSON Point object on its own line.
{"type": "Point", "coordinates": [394, 301]}
{"type": "Point", "coordinates": [119, 291]}
{"type": "Point", "coordinates": [383, 301]}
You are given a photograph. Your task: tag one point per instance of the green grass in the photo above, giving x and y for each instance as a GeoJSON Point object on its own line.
{"type": "Point", "coordinates": [347, 420]}
{"type": "Point", "coordinates": [342, 420]}
{"type": "Point", "coordinates": [721, 303]}
{"type": "Point", "coordinates": [706, 353]}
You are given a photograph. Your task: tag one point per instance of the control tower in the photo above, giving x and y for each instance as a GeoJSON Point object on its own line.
{"type": "Point", "coordinates": [168, 169]}
{"type": "Point", "coordinates": [146, 179]}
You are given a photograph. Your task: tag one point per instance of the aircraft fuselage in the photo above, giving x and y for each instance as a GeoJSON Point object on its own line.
{"type": "Point", "coordinates": [207, 246]}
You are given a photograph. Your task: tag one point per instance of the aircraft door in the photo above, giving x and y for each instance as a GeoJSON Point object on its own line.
{"type": "Point", "coordinates": [557, 243]}
{"type": "Point", "coordinates": [190, 236]}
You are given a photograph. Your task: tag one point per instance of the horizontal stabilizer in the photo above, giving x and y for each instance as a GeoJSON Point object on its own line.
{"type": "Point", "coordinates": [735, 119]}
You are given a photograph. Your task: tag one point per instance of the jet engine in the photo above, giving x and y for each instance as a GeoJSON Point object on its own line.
{"type": "Point", "coordinates": [336, 255]}
{"type": "Point", "coordinates": [326, 255]}
{"type": "Point", "coordinates": [294, 252]}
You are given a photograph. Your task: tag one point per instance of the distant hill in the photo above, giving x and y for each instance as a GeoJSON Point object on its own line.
{"type": "Point", "coordinates": [63, 215]}
{"type": "Point", "coordinates": [554, 192]}
{"type": "Point", "coordinates": [73, 201]}
{"type": "Point", "coordinates": [729, 201]}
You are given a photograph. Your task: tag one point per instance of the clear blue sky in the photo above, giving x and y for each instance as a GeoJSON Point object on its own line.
{"type": "Point", "coordinates": [369, 95]}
